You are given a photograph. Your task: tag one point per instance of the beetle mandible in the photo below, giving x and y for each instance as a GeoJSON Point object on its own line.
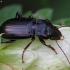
{"type": "Point", "coordinates": [22, 28]}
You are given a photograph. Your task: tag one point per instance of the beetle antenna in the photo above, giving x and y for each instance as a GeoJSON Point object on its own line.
{"type": "Point", "coordinates": [63, 52]}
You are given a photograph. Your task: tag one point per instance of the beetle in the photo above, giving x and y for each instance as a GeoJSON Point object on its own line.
{"type": "Point", "coordinates": [23, 28]}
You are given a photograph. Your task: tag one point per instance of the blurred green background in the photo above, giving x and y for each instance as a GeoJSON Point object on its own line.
{"type": "Point", "coordinates": [57, 11]}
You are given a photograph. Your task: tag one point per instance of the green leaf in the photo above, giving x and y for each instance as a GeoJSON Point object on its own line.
{"type": "Point", "coordinates": [44, 14]}
{"type": "Point", "coordinates": [9, 12]}
{"type": "Point", "coordinates": [62, 22]}
{"type": "Point", "coordinates": [27, 14]}
{"type": "Point", "coordinates": [36, 57]}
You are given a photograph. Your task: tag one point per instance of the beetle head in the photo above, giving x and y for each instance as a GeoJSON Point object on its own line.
{"type": "Point", "coordinates": [46, 30]}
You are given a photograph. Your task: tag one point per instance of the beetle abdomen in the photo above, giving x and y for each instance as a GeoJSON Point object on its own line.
{"type": "Point", "coordinates": [19, 29]}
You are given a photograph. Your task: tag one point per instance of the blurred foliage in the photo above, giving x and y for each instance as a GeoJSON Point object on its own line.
{"type": "Point", "coordinates": [9, 12]}
{"type": "Point", "coordinates": [45, 13]}
{"type": "Point", "coordinates": [27, 14]}
{"type": "Point", "coordinates": [61, 7]}
{"type": "Point", "coordinates": [63, 22]}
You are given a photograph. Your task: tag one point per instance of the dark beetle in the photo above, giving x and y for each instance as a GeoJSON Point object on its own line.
{"type": "Point", "coordinates": [22, 28]}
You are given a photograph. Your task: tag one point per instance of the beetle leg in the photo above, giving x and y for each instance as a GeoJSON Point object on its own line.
{"type": "Point", "coordinates": [63, 52]}
{"type": "Point", "coordinates": [43, 42]}
{"type": "Point", "coordinates": [33, 38]}
{"type": "Point", "coordinates": [18, 15]}
{"type": "Point", "coordinates": [30, 16]}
